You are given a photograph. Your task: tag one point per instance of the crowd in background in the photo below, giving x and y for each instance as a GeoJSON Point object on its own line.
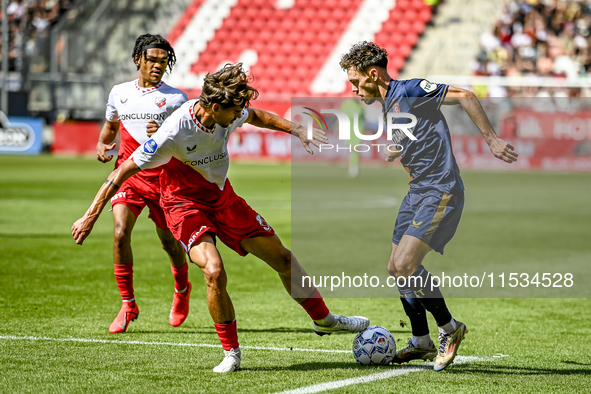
{"type": "Point", "coordinates": [531, 37]}
{"type": "Point", "coordinates": [546, 38]}
{"type": "Point", "coordinates": [29, 24]}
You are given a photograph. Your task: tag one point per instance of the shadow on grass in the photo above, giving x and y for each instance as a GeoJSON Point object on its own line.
{"type": "Point", "coordinates": [208, 330]}
{"type": "Point", "coordinates": [19, 236]}
{"type": "Point", "coordinates": [576, 363]}
{"type": "Point", "coordinates": [350, 365]}
{"type": "Point", "coordinates": [488, 369]}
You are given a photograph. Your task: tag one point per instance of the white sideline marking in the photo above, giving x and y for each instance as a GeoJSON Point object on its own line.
{"type": "Point", "coordinates": [316, 388]}
{"type": "Point", "coordinates": [112, 341]}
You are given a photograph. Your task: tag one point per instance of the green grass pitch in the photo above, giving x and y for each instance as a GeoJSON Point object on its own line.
{"type": "Point", "coordinates": [57, 299]}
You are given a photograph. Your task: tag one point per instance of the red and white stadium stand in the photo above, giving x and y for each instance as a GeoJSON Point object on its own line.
{"type": "Point", "coordinates": [291, 47]}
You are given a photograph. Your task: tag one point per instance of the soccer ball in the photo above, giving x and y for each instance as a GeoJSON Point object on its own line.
{"type": "Point", "coordinates": [374, 346]}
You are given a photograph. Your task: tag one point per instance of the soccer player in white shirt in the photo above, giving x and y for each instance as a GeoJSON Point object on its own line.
{"type": "Point", "coordinates": [136, 109]}
{"type": "Point", "coordinates": [201, 205]}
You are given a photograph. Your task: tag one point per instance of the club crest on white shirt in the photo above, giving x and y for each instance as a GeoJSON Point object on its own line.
{"type": "Point", "coordinates": [160, 102]}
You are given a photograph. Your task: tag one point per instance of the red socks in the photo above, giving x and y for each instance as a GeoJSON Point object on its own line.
{"type": "Point", "coordinates": [124, 278]}
{"type": "Point", "coordinates": [315, 306]}
{"type": "Point", "coordinates": [181, 276]}
{"type": "Point", "coordinates": [228, 335]}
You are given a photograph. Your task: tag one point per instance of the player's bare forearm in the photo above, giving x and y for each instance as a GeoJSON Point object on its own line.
{"type": "Point", "coordinates": [473, 108]}
{"type": "Point", "coordinates": [105, 143]}
{"type": "Point", "coordinates": [83, 226]}
{"type": "Point", "coordinates": [264, 119]}
{"type": "Point", "coordinates": [468, 100]}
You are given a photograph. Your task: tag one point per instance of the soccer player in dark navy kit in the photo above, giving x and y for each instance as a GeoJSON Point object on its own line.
{"type": "Point", "coordinates": [430, 212]}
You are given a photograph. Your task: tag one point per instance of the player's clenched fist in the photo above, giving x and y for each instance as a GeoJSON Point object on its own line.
{"type": "Point", "coordinates": [81, 229]}
{"type": "Point", "coordinates": [101, 151]}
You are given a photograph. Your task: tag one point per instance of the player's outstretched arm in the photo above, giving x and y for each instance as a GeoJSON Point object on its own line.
{"type": "Point", "coordinates": [83, 226]}
{"type": "Point", "coordinates": [105, 143]}
{"type": "Point", "coordinates": [500, 149]}
{"type": "Point", "coordinates": [267, 120]}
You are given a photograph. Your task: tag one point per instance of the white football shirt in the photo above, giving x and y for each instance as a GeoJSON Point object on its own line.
{"type": "Point", "coordinates": [199, 149]}
{"type": "Point", "coordinates": [135, 106]}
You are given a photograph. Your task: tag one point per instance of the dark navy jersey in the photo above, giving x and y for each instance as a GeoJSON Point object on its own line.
{"type": "Point", "coordinates": [429, 160]}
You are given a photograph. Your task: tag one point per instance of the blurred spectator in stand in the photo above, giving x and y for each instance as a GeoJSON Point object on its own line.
{"type": "Point", "coordinates": [29, 23]}
{"type": "Point", "coordinates": [548, 38]}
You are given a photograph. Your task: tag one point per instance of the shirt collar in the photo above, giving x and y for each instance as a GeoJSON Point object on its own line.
{"type": "Point", "coordinates": [146, 90]}
{"type": "Point", "coordinates": [197, 122]}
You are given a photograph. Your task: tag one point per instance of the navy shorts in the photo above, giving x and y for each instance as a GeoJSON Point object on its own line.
{"type": "Point", "coordinates": [432, 217]}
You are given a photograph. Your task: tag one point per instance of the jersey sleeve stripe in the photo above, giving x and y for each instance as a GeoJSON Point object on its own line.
{"type": "Point", "coordinates": [443, 96]}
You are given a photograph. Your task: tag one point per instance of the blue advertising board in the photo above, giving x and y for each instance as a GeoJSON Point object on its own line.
{"type": "Point", "coordinates": [20, 135]}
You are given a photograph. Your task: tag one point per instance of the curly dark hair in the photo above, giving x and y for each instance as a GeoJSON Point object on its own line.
{"type": "Point", "coordinates": [364, 55]}
{"type": "Point", "coordinates": [145, 40]}
{"type": "Point", "coordinates": [228, 87]}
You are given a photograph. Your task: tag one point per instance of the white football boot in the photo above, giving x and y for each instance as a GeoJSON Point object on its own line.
{"type": "Point", "coordinates": [231, 361]}
{"type": "Point", "coordinates": [343, 323]}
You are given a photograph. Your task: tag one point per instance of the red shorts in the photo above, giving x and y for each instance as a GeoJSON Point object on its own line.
{"type": "Point", "coordinates": [231, 221]}
{"type": "Point", "coordinates": [136, 193]}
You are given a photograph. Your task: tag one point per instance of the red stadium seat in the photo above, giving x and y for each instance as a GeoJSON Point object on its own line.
{"type": "Point", "coordinates": [238, 24]}
{"type": "Point", "coordinates": [411, 39]}
{"type": "Point", "coordinates": [288, 24]}
{"type": "Point", "coordinates": [425, 16]}
{"type": "Point", "coordinates": [298, 87]}
{"type": "Point", "coordinates": [417, 28]}
{"type": "Point", "coordinates": [340, 14]}
{"type": "Point", "coordinates": [227, 35]}
{"type": "Point", "coordinates": [259, 3]}
{"type": "Point", "coordinates": [404, 50]}
{"type": "Point", "coordinates": [396, 14]}
{"type": "Point", "coordinates": [404, 26]}
{"type": "Point", "coordinates": [280, 59]}
{"type": "Point", "coordinates": [249, 13]}
{"type": "Point", "coordinates": [411, 15]}
{"type": "Point", "coordinates": [333, 4]}
{"type": "Point", "coordinates": [397, 38]}
{"type": "Point", "coordinates": [419, 5]}
{"type": "Point", "coordinates": [396, 63]}
{"type": "Point", "coordinates": [324, 14]}
{"type": "Point", "coordinates": [404, 4]}
{"type": "Point", "coordinates": [300, 73]}
{"type": "Point", "coordinates": [292, 44]}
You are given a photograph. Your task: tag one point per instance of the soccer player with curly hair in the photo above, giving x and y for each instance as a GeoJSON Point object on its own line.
{"type": "Point", "coordinates": [135, 110]}
{"type": "Point", "coordinates": [430, 212]}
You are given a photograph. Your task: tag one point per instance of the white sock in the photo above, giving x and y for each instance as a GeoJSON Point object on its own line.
{"type": "Point", "coordinates": [449, 327]}
{"type": "Point", "coordinates": [328, 321]}
{"type": "Point", "coordinates": [421, 342]}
